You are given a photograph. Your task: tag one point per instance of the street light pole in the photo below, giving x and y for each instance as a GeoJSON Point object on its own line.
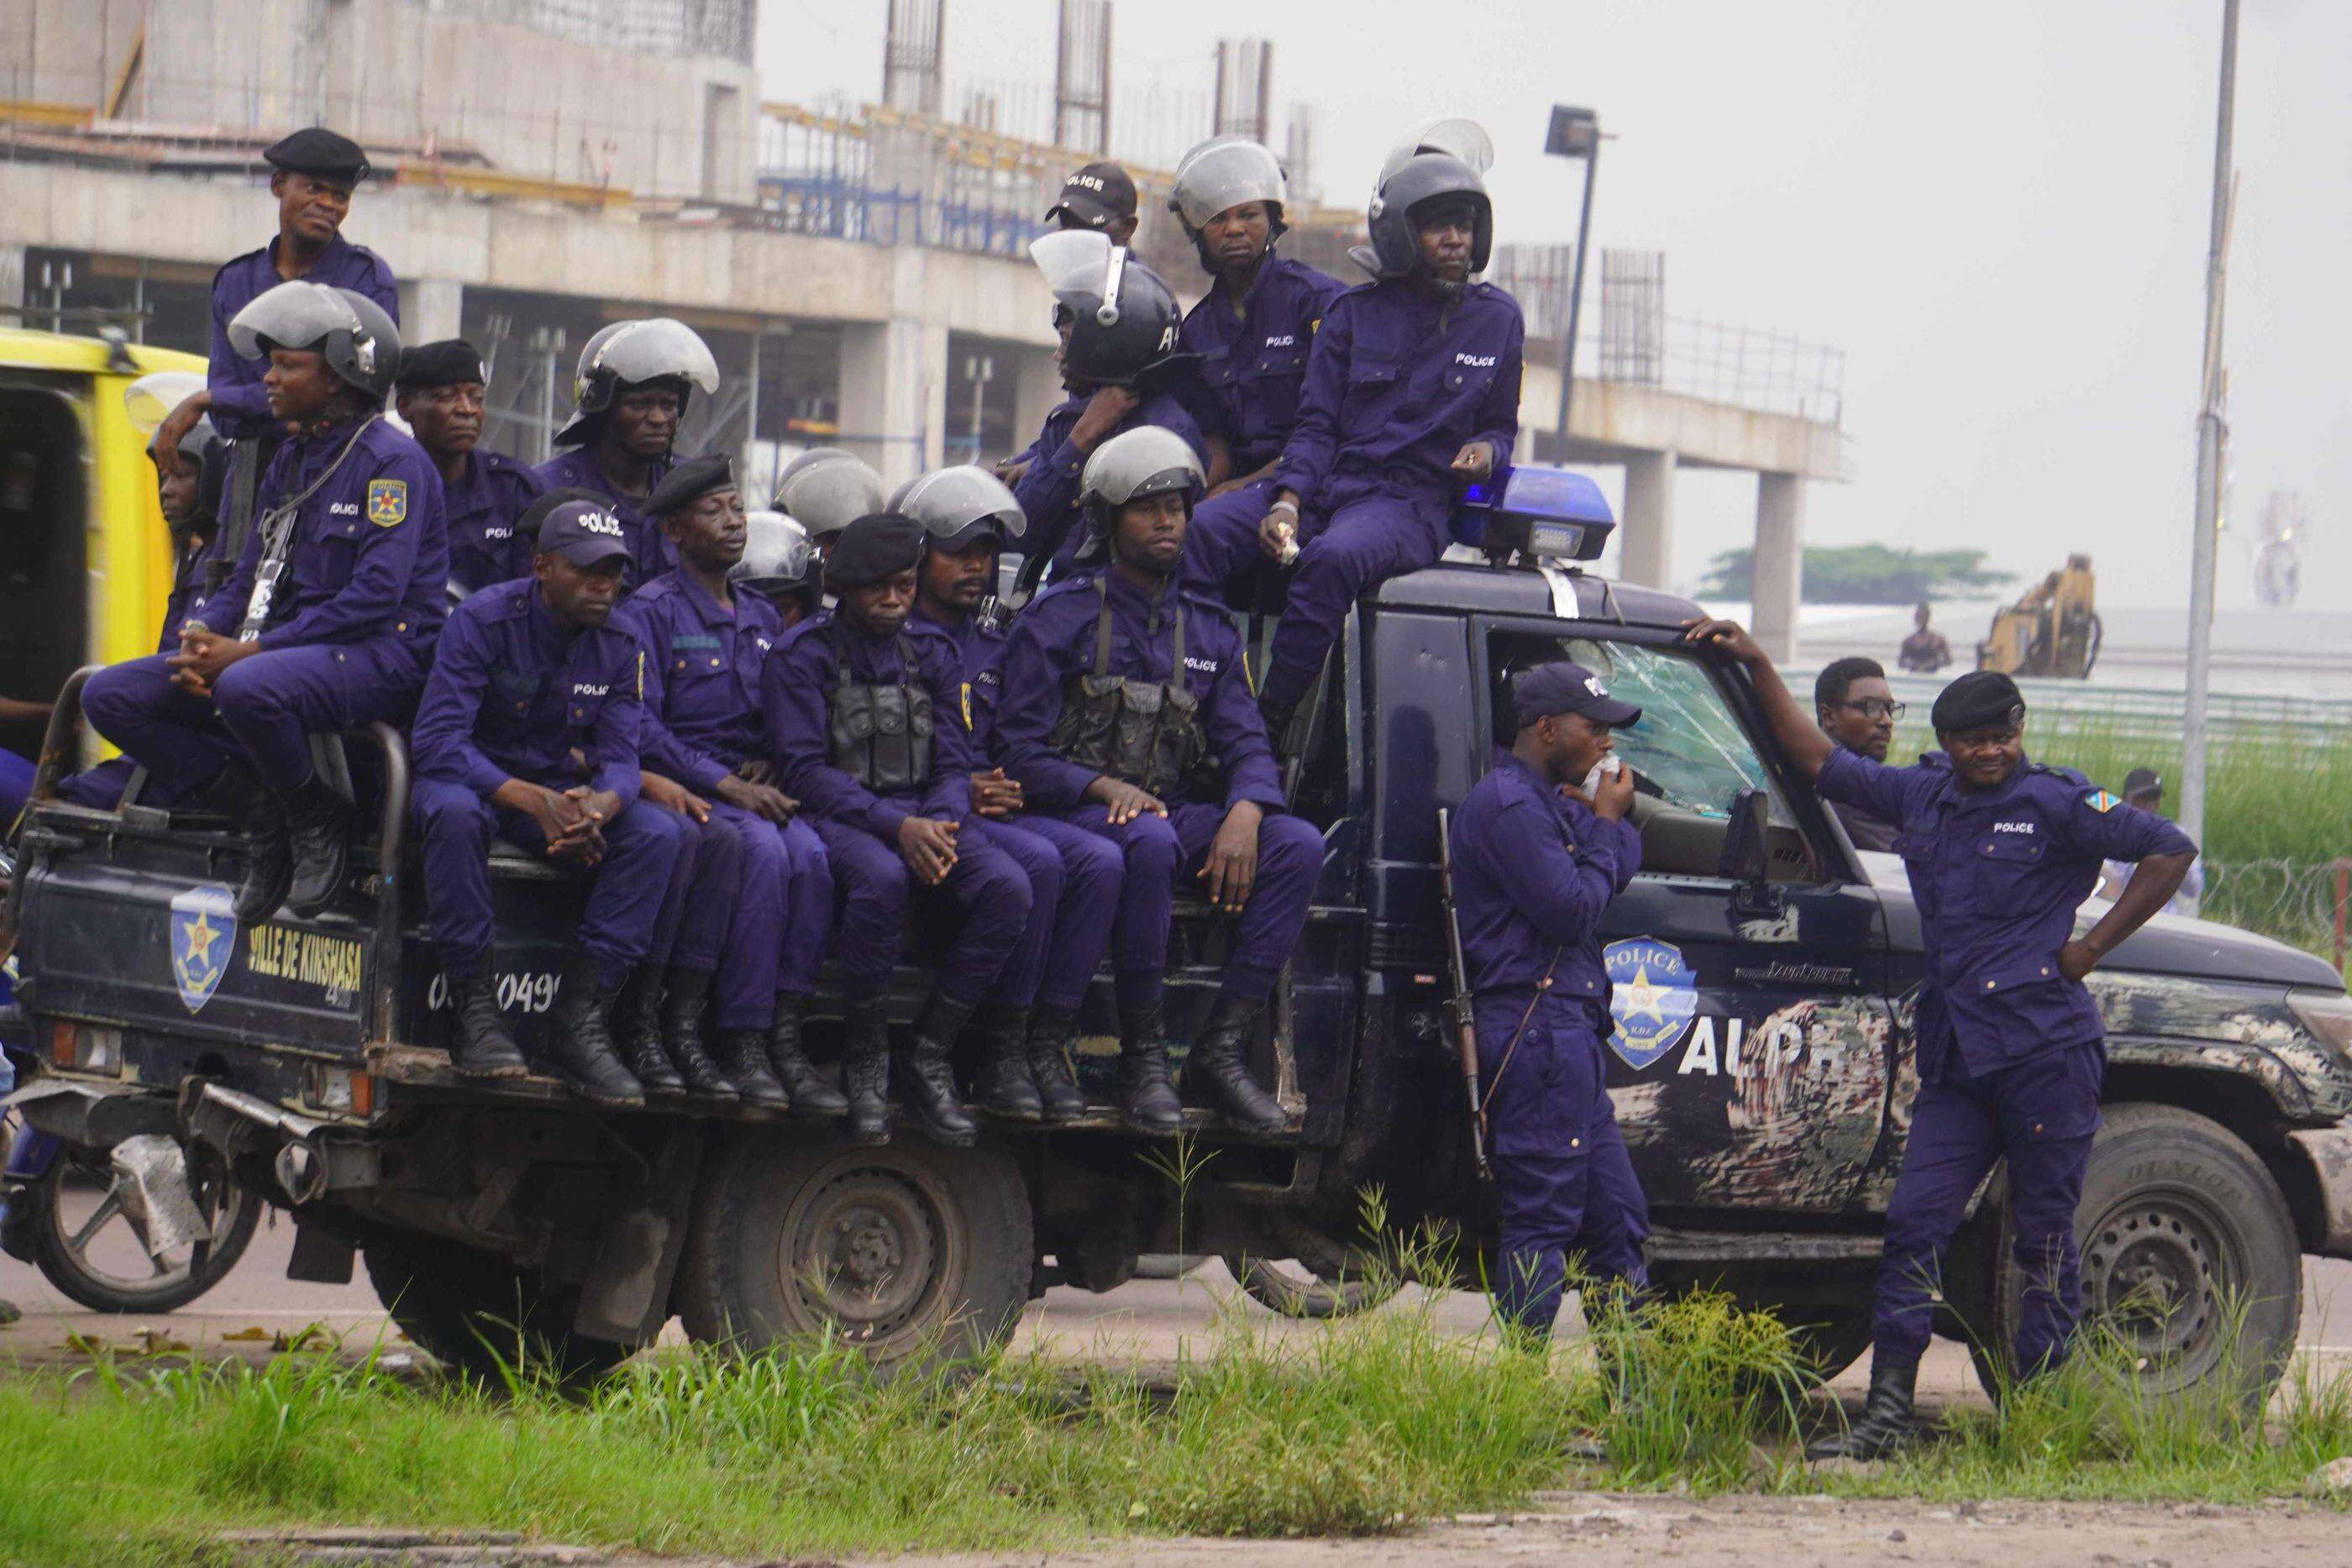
{"type": "Point", "coordinates": [1574, 134]}
{"type": "Point", "coordinates": [2209, 434]}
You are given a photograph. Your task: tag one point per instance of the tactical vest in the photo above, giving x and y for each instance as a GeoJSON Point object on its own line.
{"type": "Point", "coordinates": [880, 732]}
{"type": "Point", "coordinates": [1140, 731]}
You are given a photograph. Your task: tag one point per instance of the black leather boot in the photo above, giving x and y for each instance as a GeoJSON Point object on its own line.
{"type": "Point", "coordinates": [1216, 1066]}
{"type": "Point", "coordinates": [638, 1035]}
{"type": "Point", "coordinates": [319, 838]}
{"type": "Point", "coordinates": [865, 1070]}
{"type": "Point", "coordinates": [583, 1052]}
{"type": "Point", "coordinates": [486, 1047]}
{"type": "Point", "coordinates": [743, 1052]}
{"type": "Point", "coordinates": [1886, 1427]}
{"type": "Point", "coordinates": [1052, 1035]}
{"type": "Point", "coordinates": [926, 1082]}
{"type": "Point", "coordinates": [268, 859]}
{"type": "Point", "coordinates": [1147, 1101]}
{"type": "Point", "coordinates": [684, 992]}
{"type": "Point", "coordinates": [1004, 1088]}
{"type": "Point", "coordinates": [813, 1094]}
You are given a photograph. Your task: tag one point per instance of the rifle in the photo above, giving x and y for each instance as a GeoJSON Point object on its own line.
{"type": "Point", "coordinates": [1458, 1012]}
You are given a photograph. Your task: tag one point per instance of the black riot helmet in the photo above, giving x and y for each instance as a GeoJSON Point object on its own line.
{"type": "Point", "coordinates": [1123, 318]}
{"type": "Point", "coordinates": [147, 401]}
{"type": "Point", "coordinates": [1222, 172]}
{"type": "Point", "coordinates": [360, 344]}
{"type": "Point", "coordinates": [1419, 181]}
{"type": "Point", "coordinates": [956, 506]}
{"type": "Point", "coordinates": [655, 350]}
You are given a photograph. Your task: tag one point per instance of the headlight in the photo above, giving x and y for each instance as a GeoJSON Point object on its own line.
{"type": "Point", "coordinates": [2326, 1014]}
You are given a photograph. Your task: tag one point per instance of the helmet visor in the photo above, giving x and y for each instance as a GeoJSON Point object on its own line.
{"type": "Point", "coordinates": [1074, 262]}
{"type": "Point", "coordinates": [1224, 174]}
{"type": "Point", "coordinates": [1140, 462]}
{"type": "Point", "coordinates": [775, 550]}
{"type": "Point", "coordinates": [295, 315]}
{"type": "Point", "coordinates": [1464, 139]}
{"type": "Point", "coordinates": [149, 400]}
{"type": "Point", "coordinates": [657, 347]}
{"type": "Point", "coordinates": [949, 500]}
{"type": "Point", "coordinates": [826, 496]}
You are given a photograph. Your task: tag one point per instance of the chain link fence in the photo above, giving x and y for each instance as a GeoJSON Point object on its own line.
{"type": "Point", "coordinates": [2302, 902]}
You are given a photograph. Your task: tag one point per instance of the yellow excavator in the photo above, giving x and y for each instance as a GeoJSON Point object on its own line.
{"type": "Point", "coordinates": [2052, 630]}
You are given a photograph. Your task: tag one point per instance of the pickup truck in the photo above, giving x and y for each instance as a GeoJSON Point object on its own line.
{"type": "Point", "coordinates": [1761, 1066]}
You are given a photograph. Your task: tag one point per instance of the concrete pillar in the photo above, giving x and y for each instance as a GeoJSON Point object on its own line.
{"type": "Point", "coordinates": [430, 310]}
{"type": "Point", "coordinates": [1647, 536]}
{"type": "Point", "coordinates": [1036, 389]}
{"type": "Point", "coordinates": [12, 282]}
{"type": "Point", "coordinates": [1779, 572]}
{"type": "Point", "coordinates": [894, 394]}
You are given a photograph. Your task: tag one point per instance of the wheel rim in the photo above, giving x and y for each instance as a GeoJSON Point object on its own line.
{"type": "Point", "coordinates": [96, 1237]}
{"type": "Point", "coordinates": [2154, 1271]}
{"type": "Point", "coordinates": [870, 1250]}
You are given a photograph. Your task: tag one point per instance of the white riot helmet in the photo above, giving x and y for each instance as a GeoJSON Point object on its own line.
{"type": "Point", "coordinates": [825, 489]}
{"type": "Point", "coordinates": [777, 556]}
{"type": "Point", "coordinates": [360, 344]}
{"type": "Point", "coordinates": [1222, 172]}
{"type": "Point", "coordinates": [147, 401]}
{"type": "Point", "coordinates": [956, 504]}
{"type": "Point", "coordinates": [1148, 460]}
{"type": "Point", "coordinates": [632, 353]}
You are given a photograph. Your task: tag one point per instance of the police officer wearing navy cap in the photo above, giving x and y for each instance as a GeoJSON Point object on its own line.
{"type": "Point", "coordinates": [527, 672]}
{"type": "Point", "coordinates": [2001, 852]}
{"type": "Point", "coordinates": [1100, 197]}
{"type": "Point", "coordinates": [1536, 861]}
{"type": "Point", "coordinates": [441, 393]}
{"type": "Point", "coordinates": [864, 711]}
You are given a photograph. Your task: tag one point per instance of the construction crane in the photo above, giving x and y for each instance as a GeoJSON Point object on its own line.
{"type": "Point", "coordinates": [2052, 630]}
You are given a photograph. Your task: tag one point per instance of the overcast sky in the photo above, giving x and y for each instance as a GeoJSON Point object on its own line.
{"type": "Point", "coordinates": [1998, 209]}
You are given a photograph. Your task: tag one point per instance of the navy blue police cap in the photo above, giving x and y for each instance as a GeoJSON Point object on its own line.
{"type": "Point", "coordinates": [877, 544]}
{"type": "Point", "coordinates": [320, 152]}
{"type": "Point", "coordinates": [584, 533]}
{"type": "Point", "coordinates": [453, 361]}
{"type": "Point", "coordinates": [1564, 688]}
{"type": "Point", "coordinates": [527, 526]}
{"type": "Point", "coordinates": [1982, 699]}
{"type": "Point", "coordinates": [689, 482]}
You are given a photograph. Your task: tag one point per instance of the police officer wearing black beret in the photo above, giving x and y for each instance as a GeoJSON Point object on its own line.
{"type": "Point", "coordinates": [442, 392]}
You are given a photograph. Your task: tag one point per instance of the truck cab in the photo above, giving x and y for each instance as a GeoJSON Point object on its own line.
{"type": "Point", "coordinates": [1761, 1063]}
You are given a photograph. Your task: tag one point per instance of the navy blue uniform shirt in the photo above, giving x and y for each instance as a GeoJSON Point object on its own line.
{"type": "Point", "coordinates": [704, 668]}
{"type": "Point", "coordinates": [1998, 876]}
{"type": "Point", "coordinates": [1054, 639]}
{"type": "Point", "coordinates": [650, 554]}
{"type": "Point", "coordinates": [240, 408]}
{"type": "Point", "coordinates": [1048, 487]}
{"type": "Point", "coordinates": [370, 555]}
{"type": "Point", "coordinates": [1255, 364]}
{"type": "Point", "coordinates": [513, 693]}
{"type": "Point", "coordinates": [797, 700]}
{"type": "Point", "coordinates": [483, 507]}
{"type": "Point", "coordinates": [1532, 872]}
{"type": "Point", "coordinates": [980, 646]}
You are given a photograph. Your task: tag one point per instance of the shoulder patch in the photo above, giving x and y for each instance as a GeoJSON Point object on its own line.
{"type": "Point", "coordinates": [2101, 801]}
{"type": "Point", "coordinates": [387, 502]}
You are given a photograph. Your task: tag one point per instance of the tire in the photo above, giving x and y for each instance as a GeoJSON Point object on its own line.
{"type": "Point", "coordinates": [482, 1316]}
{"type": "Point", "coordinates": [80, 1248]}
{"type": "Point", "coordinates": [916, 1254]}
{"type": "Point", "coordinates": [1289, 1287]}
{"type": "Point", "coordinates": [2176, 1210]}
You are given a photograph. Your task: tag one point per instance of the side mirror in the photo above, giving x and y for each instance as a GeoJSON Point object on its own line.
{"type": "Point", "coordinates": [1745, 855]}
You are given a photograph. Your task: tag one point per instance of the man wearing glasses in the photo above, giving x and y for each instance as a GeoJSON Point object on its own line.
{"type": "Point", "coordinates": [1857, 709]}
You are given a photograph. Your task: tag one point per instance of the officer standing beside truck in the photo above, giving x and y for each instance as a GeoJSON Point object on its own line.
{"type": "Point", "coordinates": [1535, 860]}
{"type": "Point", "coordinates": [2011, 1054]}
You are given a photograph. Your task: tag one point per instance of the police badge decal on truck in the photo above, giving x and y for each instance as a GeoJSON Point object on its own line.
{"type": "Point", "coordinates": [1651, 996]}
{"type": "Point", "coordinates": [203, 940]}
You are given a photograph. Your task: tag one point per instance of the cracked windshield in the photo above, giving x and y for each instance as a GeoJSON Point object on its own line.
{"type": "Point", "coordinates": [1687, 745]}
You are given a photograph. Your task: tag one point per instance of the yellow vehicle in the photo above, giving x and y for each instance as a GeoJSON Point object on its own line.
{"type": "Point", "coordinates": [85, 558]}
{"type": "Point", "coordinates": [2052, 630]}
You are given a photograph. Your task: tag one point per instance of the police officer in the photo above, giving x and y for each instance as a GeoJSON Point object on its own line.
{"type": "Point", "coordinates": [779, 565]}
{"type": "Point", "coordinates": [1253, 330]}
{"type": "Point", "coordinates": [1099, 197]}
{"type": "Point", "coordinates": [825, 489]}
{"type": "Point", "coordinates": [527, 671]}
{"type": "Point", "coordinates": [327, 619]}
{"type": "Point", "coordinates": [1536, 861]}
{"type": "Point", "coordinates": [313, 175]}
{"type": "Point", "coordinates": [2011, 1055]}
{"type": "Point", "coordinates": [1118, 687]}
{"type": "Point", "coordinates": [1411, 390]}
{"type": "Point", "coordinates": [633, 385]}
{"type": "Point", "coordinates": [1031, 1017]}
{"type": "Point", "coordinates": [440, 393]}
{"type": "Point", "coordinates": [706, 643]}
{"type": "Point", "coordinates": [1120, 376]}
{"type": "Point", "coordinates": [864, 709]}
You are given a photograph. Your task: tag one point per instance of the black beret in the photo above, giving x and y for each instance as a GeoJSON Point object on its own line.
{"type": "Point", "coordinates": [447, 363]}
{"type": "Point", "coordinates": [319, 151]}
{"type": "Point", "coordinates": [1982, 699]}
{"type": "Point", "coordinates": [689, 482]}
{"type": "Point", "coordinates": [877, 544]}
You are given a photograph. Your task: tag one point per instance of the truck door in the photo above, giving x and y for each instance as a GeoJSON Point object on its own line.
{"type": "Point", "coordinates": [1750, 1060]}
{"type": "Point", "coordinates": [44, 599]}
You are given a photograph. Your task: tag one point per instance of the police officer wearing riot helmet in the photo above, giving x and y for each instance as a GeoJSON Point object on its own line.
{"type": "Point", "coordinates": [825, 489]}
{"type": "Point", "coordinates": [633, 385]}
{"type": "Point", "coordinates": [780, 565]}
{"type": "Point", "coordinates": [2011, 1055]}
{"type": "Point", "coordinates": [1857, 709]}
{"type": "Point", "coordinates": [1253, 330]}
{"type": "Point", "coordinates": [527, 674]}
{"type": "Point", "coordinates": [1121, 376]}
{"type": "Point", "coordinates": [1535, 861]}
{"type": "Point", "coordinates": [1413, 389]}
{"type": "Point", "coordinates": [328, 618]}
{"type": "Point", "coordinates": [1031, 1018]}
{"type": "Point", "coordinates": [708, 641]}
{"type": "Point", "coordinates": [1118, 687]}
{"type": "Point", "coordinates": [441, 393]}
{"type": "Point", "coordinates": [865, 714]}
{"type": "Point", "coordinates": [1100, 197]}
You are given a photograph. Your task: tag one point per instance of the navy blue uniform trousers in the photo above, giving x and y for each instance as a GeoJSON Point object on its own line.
{"type": "Point", "coordinates": [875, 884]}
{"type": "Point", "coordinates": [1075, 878]}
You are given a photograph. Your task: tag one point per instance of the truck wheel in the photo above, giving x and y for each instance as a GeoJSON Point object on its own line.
{"type": "Point", "coordinates": [482, 1316]}
{"type": "Point", "coordinates": [913, 1252]}
{"type": "Point", "coordinates": [1289, 1287]}
{"type": "Point", "coordinates": [85, 1245]}
{"type": "Point", "coordinates": [2190, 1254]}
